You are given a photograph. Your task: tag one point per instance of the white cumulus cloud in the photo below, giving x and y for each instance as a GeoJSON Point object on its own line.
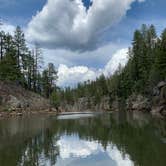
{"type": "Point", "coordinates": [119, 58]}
{"type": "Point", "coordinates": [117, 156]}
{"type": "Point", "coordinates": [8, 28]}
{"type": "Point", "coordinates": [71, 76]}
{"type": "Point", "coordinates": [67, 23]}
{"type": "Point", "coordinates": [73, 147]}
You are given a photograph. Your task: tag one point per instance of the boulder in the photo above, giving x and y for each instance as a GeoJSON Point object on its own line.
{"type": "Point", "coordinates": [161, 84]}
{"type": "Point", "coordinates": [157, 109]}
{"type": "Point", "coordinates": [138, 103]}
{"type": "Point", "coordinates": [13, 103]}
{"type": "Point", "coordinates": [159, 99]}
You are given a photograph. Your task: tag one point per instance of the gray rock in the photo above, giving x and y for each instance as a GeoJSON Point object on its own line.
{"type": "Point", "coordinates": [163, 112]}
{"type": "Point", "coordinates": [85, 104]}
{"type": "Point", "coordinates": [156, 91]}
{"type": "Point", "coordinates": [161, 84]}
{"type": "Point", "coordinates": [13, 103]}
{"type": "Point", "coordinates": [157, 109]}
{"type": "Point", "coordinates": [138, 103]}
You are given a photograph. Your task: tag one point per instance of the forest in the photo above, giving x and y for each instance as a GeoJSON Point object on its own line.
{"type": "Point", "coordinates": [145, 68]}
{"type": "Point", "coordinates": [23, 65]}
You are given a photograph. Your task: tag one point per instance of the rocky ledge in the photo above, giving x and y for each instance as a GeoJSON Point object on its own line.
{"type": "Point", "coordinates": [85, 104]}
{"type": "Point", "coordinates": [15, 99]}
{"type": "Point", "coordinates": [159, 99]}
{"type": "Point", "coordinates": [156, 105]}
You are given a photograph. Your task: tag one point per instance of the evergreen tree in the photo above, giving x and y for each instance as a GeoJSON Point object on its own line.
{"type": "Point", "coordinates": [2, 35]}
{"type": "Point", "coordinates": [20, 45]}
{"type": "Point", "coordinates": [49, 77]}
{"type": "Point", "coordinates": [8, 68]}
{"type": "Point", "coordinates": [161, 57]}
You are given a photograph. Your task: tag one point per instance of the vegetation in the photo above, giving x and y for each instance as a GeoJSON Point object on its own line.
{"type": "Point", "coordinates": [21, 65]}
{"type": "Point", "coordinates": [145, 68]}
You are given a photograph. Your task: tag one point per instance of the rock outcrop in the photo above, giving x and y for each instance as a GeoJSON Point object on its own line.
{"type": "Point", "coordinates": [14, 98]}
{"type": "Point", "coordinates": [86, 104]}
{"type": "Point", "coordinates": [159, 99]}
{"type": "Point", "coordinates": [156, 105]}
{"type": "Point", "coordinates": [138, 103]}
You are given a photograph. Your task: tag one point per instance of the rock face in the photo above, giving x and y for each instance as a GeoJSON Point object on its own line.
{"type": "Point", "coordinates": [159, 99]}
{"type": "Point", "coordinates": [86, 104]}
{"type": "Point", "coordinates": [138, 103]}
{"type": "Point", "coordinates": [14, 98]}
{"type": "Point", "coordinates": [156, 105]}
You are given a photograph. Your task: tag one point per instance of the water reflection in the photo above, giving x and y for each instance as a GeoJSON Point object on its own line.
{"type": "Point", "coordinates": [74, 151]}
{"type": "Point", "coordinates": [108, 139]}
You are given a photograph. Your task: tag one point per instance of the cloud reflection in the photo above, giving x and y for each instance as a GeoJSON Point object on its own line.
{"type": "Point", "coordinates": [73, 147]}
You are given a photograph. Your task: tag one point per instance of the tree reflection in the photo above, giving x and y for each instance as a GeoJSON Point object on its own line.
{"type": "Point", "coordinates": [33, 141]}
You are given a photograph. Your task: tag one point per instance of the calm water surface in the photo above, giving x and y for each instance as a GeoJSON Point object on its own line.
{"type": "Point", "coordinates": [120, 139]}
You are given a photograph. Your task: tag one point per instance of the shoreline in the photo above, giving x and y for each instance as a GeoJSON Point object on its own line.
{"type": "Point", "coordinates": [53, 112]}
{"type": "Point", "coordinates": [6, 115]}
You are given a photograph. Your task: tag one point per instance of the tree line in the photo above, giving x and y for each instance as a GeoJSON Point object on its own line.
{"type": "Point", "coordinates": [22, 65]}
{"type": "Point", "coordinates": [145, 68]}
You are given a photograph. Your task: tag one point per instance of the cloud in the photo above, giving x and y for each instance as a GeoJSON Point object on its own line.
{"type": "Point", "coordinates": [94, 59]}
{"type": "Point", "coordinates": [71, 76]}
{"type": "Point", "coordinates": [67, 24]}
{"type": "Point", "coordinates": [8, 28]}
{"type": "Point", "coordinates": [119, 58]}
{"type": "Point", "coordinates": [72, 148]}
{"type": "Point", "coordinates": [117, 156]}
{"type": "Point", "coordinates": [141, 0]}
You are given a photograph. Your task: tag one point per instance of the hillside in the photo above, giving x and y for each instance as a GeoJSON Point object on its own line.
{"type": "Point", "coordinates": [15, 98]}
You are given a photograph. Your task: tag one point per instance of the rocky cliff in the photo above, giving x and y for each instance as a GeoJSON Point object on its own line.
{"type": "Point", "coordinates": [159, 99]}
{"type": "Point", "coordinates": [156, 104]}
{"type": "Point", "coordinates": [86, 104]}
{"type": "Point", "coordinates": [14, 98]}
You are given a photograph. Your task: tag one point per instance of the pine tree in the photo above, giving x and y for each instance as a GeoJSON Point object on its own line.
{"type": "Point", "coordinates": [20, 45]}
{"type": "Point", "coordinates": [8, 68]}
{"type": "Point", "coordinates": [161, 57]}
{"type": "Point", "coordinates": [2, 35]}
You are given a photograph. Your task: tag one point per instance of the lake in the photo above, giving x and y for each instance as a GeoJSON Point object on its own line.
{"type": "Point", "coordinates": [108, 139]}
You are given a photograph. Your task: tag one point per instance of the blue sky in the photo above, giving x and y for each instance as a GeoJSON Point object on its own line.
{"type": "Point", "coordinates": [21, 11]}
{"type": "Point", "coordinates": [75, 38]}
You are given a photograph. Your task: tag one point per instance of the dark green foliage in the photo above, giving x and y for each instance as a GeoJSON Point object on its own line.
{"type": "Point", "coordinates": [8, 68]}
{"type": "Point", "coordinates": [22, 66]}
{"type": "Point", "coordinates": [145, 68]}
{"type": "Point", "coordinates": [55, 98]}
{"type": "Point", "coordinates": [20, 45]}
{"type": "Point", "coordinates": [161, 56]}
{"type": "Point", "coordinates": [90, 89]}
{"type": "Point", "coordinates": [49, 76]}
